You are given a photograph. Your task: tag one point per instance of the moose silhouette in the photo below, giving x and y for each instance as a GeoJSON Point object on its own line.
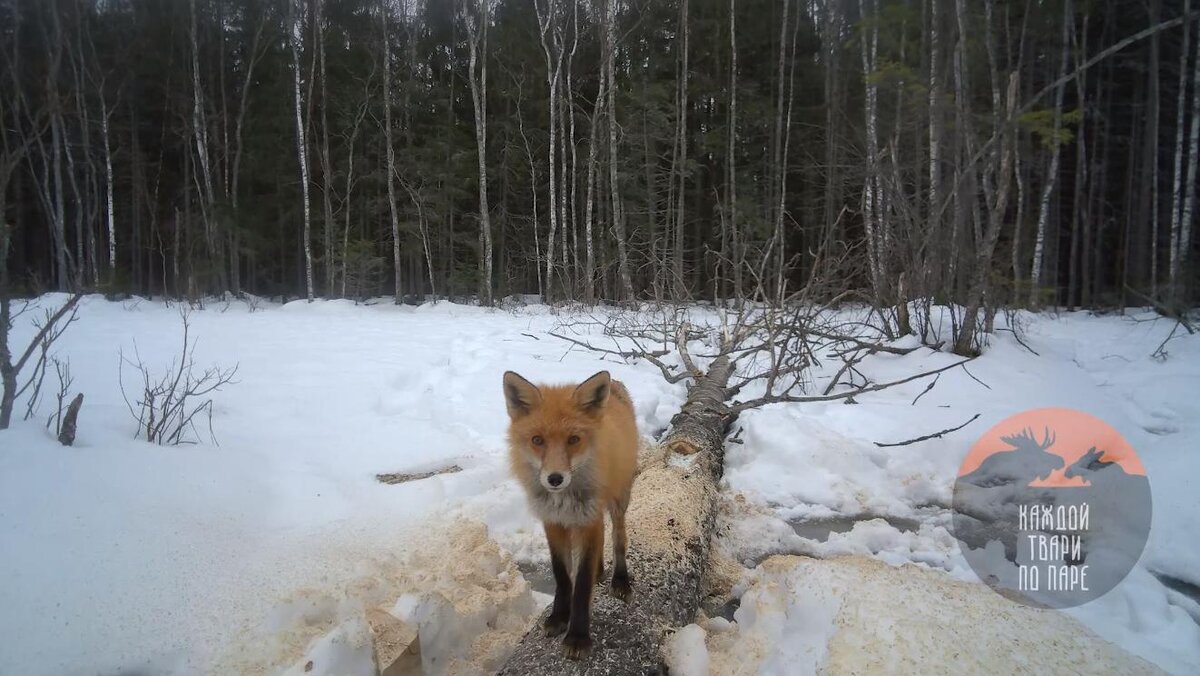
{"type": "Point", "coordinates": [1095, 470]}
{"type": "Point", "coordinates": [1028, 460]}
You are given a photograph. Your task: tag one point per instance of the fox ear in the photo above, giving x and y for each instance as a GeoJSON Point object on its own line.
{"type": "Point", "coordinates": [592, 394]}
{"type": "Point", "coordinates": [520, 395]}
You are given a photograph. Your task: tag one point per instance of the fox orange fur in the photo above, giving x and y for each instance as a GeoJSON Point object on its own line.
{"type": "Point", "coordinates": [574, 451]}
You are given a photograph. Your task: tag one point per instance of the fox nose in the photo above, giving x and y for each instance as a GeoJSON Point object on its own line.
{"type": "Point", "coordinates": [555, 479]}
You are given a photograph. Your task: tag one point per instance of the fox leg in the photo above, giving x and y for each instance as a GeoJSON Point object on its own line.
{"type": "Point", "coordinates": [621, 587]}
{"type": "Point", "coordinates": [578, 642]}
{"type": "Point", "coordinates": [559, 539]}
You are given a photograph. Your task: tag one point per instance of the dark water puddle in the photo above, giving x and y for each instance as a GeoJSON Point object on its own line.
{"type": "Point", "coordinates": [720, 607]}
{"type": "Point", "coordinates": [538, 575]}
{"type": "Point", "coordinates": [821, 528]}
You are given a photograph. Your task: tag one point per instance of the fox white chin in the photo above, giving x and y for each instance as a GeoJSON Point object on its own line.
{"type": "Point", "coordinates": [571, 504]}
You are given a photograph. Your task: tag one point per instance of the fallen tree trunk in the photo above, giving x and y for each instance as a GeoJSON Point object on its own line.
{"type": "Point", "coordinates": [670, 522]}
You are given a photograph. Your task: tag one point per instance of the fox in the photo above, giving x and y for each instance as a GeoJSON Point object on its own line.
{"type": "Point", "coordinates": [573, 448]}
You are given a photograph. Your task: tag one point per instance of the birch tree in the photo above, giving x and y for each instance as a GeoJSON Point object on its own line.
{"type": "Point", "coordinates": [871, 192]}
{"type": "Point", "coordinates": [1187, 152]}
{"type": "Point", "coordinates": [110, 219]}
{"type": "Point", "coordinates": [934, 229]}
{"type": "Point", "coordinates": [552, 47]}
{"type": "Point", "coordinates": [477, 21]}
{"type": "Point", "coordinates": [204, 181]}
{"type": "Point", "coordinates": [1039, 242]}
{"type": "Point", "coordinates": [296, 37]}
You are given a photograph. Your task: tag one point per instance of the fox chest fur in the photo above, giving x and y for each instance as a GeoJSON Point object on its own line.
{"type": "Point", "coordinates": [574, 506]}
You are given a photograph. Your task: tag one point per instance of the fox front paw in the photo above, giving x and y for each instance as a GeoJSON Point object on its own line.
{"type": "Point", "coordinates": [555, 625]}
{"type": "Point", "coordinates": [577, 647]}
{"type": "Point", "coordinates": [621, 587]}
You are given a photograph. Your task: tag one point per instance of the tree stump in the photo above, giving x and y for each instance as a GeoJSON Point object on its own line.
{"type": "Point", "coordinates": [670, 521]}
{"type": "Point", "coordinates": [66, 433]}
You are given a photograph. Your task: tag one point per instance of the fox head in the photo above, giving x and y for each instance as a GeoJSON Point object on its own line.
{"type": "Point", "coordinates": [552, 427]}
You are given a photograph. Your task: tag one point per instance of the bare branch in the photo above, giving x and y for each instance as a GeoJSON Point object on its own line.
{"type": "Point", "coordinates": [738, 407]}
{"type": "Point", "coordinates": [927, 437]}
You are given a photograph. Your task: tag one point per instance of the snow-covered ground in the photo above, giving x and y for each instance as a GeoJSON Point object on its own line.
{"type": "Point", "coordinates": [813, 470]}
{"type": "Point", "coordinates": [263, 552]}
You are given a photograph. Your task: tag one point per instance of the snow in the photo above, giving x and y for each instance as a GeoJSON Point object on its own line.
{"type": "Point", "coordinates": [856, 615]}
{"type": "Point", "coordinates": [261, 553]}
{"type": "Point", "coordinates": [686, 653]}
{"type": "Point", "coordinates": [817, 463]}
{"type": "Point", "coordinates": [122, 555]}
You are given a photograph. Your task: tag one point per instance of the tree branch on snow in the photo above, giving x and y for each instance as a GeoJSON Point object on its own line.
{"type": "Point", "coordinates": [927, 437]}
{"type": "Point", "coordinates": [1160, 353]}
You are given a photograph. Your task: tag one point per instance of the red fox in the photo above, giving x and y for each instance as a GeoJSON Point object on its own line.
{"type": "Point", "coordinates": [574, 450]}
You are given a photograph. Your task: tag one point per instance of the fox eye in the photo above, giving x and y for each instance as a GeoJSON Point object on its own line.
{"type": "Point", "coordinates": [573, 439]}
{"type": "Point", "coordinates": [538, 440]}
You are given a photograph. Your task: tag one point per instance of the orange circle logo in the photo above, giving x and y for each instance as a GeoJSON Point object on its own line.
{"type": "Point", "coordinates": [1052, 507]}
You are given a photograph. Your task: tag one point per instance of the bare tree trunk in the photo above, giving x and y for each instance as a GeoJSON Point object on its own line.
{"type": "Point", "coordinates": [1189, 200]}
{"type": "Point", "coordinates": [589, 265]}
{"type": "Point", "coordinates": [935, 132]}
{"type": "Point", "coordinates": [617, 211]}
{"type": "Point", "coordinates": [564, 191]}
{"type": "Point", "coordinates": [1180, 136]}
{"type": "Point", "coordinates": [681, 166]}
{"type": "Point", "coordinates": [733, 253]}
{"type": "Point", "coordinates": [326, 160]}
{"type": "Point", "coordinates": [1150, 210]}
{"type": "Point", "coordinates": [77, 198]}
{"type": "Point", "coordinates": [1078, 211]}
{"type": "Point", "coordinates": [391, 150]}
{"type": "Point", "coordinates": [782, 167]}
{"type": "Point", "coordinates": [110, 207]}
{"type": "Point", "coordinates": [1039, 245]}
{"type": "Point", "coordinates": [533, 190]}
{"type": "Point", "coordinates": [8, 372]}
{"type": "Point", "coordinates": [552, 48]}
{"type": "Point", "coordinates": [830, 43]}
{"type": "Point", "coordinates": [256, 54]}
{"type": "Point", "coordinates": [871, 213]}
{"type": "Point", "coordinates": [570, 207]}
{"type": "Point", "coordinates": [477, 42]}
{"type": "Point", "coordinates": [204, 181]}
{"type": "Point", "coordinates": [295, 37]}
{"type": "Point", "coordinates": [997, 207]}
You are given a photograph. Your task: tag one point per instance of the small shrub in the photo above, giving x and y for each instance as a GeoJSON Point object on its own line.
{"type": "Point", "coordinates": [166, 407]}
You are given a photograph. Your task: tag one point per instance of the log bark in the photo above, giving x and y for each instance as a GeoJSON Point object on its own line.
{"type": "Point", "coordinates": [66, 435]}
{"type": "Point", "coordinates": [670, 522]}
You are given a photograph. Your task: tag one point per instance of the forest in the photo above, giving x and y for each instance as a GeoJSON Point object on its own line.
{"type": "Point", "coordinates": [983, 154]}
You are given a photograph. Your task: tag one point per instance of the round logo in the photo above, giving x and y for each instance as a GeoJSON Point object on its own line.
{"type": "Point", "coordinates": [1052, 507]}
